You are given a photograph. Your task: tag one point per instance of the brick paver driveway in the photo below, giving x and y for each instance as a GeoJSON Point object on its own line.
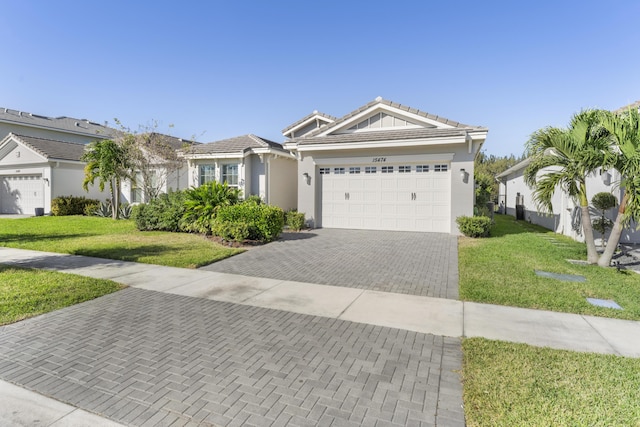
{"type": "Point", "coordinates": [148, 358]}
{"type": "Point", "coordinates": [403, 262]}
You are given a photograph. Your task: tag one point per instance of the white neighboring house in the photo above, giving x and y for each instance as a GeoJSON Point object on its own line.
{"type": "Point", "coordinates": [385, 166]}
{"type": "Point", "coordinates": [40, 159]}
{"type": "Point", "coordinates": [565, 218]}
{"type": "Point", "coordinates": [253, 164]}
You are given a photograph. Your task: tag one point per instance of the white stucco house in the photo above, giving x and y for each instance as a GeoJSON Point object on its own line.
{"type": "Point", "coordinates": [250, 163]}
{"type": "Point", "coordinates": [385, 166]}
{"type": "Point", "coordinates": [40, 159]}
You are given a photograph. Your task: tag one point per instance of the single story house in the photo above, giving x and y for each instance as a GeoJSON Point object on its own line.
{"type": "Point", "coordinates": [385, 166]}
{"type": "Point", "coordinates": [250, 163]}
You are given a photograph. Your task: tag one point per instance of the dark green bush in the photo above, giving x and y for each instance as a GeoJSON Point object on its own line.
{"type": "Point", "coordinates": [265, 222]}
{"type": "Point", "coordinates": [295, 220]}
{"type": "Point", "coordinates": [238, 231]}
{"type": "Point", "coordinates": [474, 226]}
{"type": "Point", "coordinates": [202, 204]}
{"type": "Point", "coordinates": [90, 209]}
{"type": "Point", "coordinates": [71, 205]}
{"type": "Point", "coordinates": [162, 213]}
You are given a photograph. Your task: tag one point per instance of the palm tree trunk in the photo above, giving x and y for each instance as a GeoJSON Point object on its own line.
{"type": "Point", "coordinates": [587, 228]}
{"type": "Point", "coordinates": [614, 237]}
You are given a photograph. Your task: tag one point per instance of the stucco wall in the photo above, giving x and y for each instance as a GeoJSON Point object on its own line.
{"type": "Point", "coordinates": [283, 183]}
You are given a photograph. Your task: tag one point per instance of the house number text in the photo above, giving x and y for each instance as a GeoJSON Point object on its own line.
{"type": "Point", "coordinates": [379, 159]}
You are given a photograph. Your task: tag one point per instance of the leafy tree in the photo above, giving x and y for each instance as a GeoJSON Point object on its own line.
{"type": "Point", "coordinates": [603, 202]}
{"type": "Point", "coordinates": [568, 156]}
{"type": "Point", "coordinates": [107, 162]}
{"type": "Point", "coordinates": [486, 168]}
{"type": "Point", "coordinates": [625, 129]}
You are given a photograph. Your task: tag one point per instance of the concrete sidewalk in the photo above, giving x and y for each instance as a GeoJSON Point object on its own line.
{"type": "Point", "coordinates": [436, 316]}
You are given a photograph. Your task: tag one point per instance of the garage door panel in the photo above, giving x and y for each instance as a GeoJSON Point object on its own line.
{"type": "Point", "coordinates": [21, 194]}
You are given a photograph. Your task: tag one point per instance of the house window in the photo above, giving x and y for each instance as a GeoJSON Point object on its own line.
{"type": "Point", "coordinates": [136, 188]}
{"type": "Point", "coordinates": [354, 169]}
{"type": "Point", "coordinates": [440, 168]}
{"type": "Point", "coordinates": [404, 169]}
{"type": "Point", "coordinates": [338, 171]}
{"type": "Point", "coordinates": [422, 168]}
{"type": "Point", "coordinates": [387, 169]}
{"type": "Point", "coordinates": [370, 169]}
{"type": "Point", "coordinates": [207, 174]}
{"type": "Point", "coordinates": [230, 175]}
{"type": "Point", "coordinates": [325, 171]}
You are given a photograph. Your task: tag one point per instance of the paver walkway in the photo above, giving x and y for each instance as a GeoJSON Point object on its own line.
{"type": "Point", "coordinates": [424, 264]}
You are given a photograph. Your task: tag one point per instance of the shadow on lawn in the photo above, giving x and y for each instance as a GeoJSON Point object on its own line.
{"type": "Point", "coordinates": [125, 254]}
{"type": "Point", "coordinates": [33, 238]}
{"type": "Point", "coordinates": [507, 224]}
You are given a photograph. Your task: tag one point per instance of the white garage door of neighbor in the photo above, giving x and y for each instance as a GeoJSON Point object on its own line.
{"type": "Point", "coordinates": [399, 197]}
{"type": "Point", "coordinates": [21, 194]}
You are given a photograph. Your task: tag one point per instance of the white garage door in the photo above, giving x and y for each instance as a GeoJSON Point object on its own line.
{"type": "Point", "coordinates": [21, 194]}
{"type": "Point", "coordinates": [404, 197]}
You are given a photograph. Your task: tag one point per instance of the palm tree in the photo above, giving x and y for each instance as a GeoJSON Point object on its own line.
{"type": "Point", "coordinates": [107, 162]}
{"type": "Point", "coordinates": [570, 154]}
{"type": "Point", "coordinates": [625, 129]}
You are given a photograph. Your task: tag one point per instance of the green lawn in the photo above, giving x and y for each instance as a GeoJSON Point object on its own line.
{"type": "Point", "coordinates": [500, 270]}
{"type": "Point", "coordinates": [26, 293]}
{"type": "Point", "coordinates": [106, 238]}
{"type": "Point", "coordinates": [509, 384]}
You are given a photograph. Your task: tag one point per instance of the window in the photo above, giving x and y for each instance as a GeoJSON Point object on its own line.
{"type": "Point", "coordinates": [136, 188]}
{"type": "Point", "coordinates": [387, 169]}
{"type": "Point", "coordinates": [422, 168]}
{"type": "Point", "coordinates": [230, 175]}
{"type": "Point", "coordinates": [404, 169]}
{"type": "Point", "coordinates": [440, 168]}
{"type": "Point", "coordinates": [354, 169]}
{"type": "Point", "coordinates": [325, 171]}
{"type": "Point", "coordinates": [338, 171]}
{"type": "Point", "coordinates": [207, 173]}
{"type": "Point", "coordinates": [370, 169]}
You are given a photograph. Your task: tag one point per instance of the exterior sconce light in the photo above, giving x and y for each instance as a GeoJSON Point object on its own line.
{"type": "Point", "coordinates": [606, 178]}
{"type": "Point", "coordinates": [46, 180]}
{"type": "Point", "coordinates": [307, 178]}
{"type": "Point", "coordinates": [464, 175]}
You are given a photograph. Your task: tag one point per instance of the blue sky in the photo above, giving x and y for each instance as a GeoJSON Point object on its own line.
{"type": "Point", "coordinates": [217, 69]}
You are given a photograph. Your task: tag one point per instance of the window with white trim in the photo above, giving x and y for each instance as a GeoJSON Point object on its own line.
{"type": "Point", "coordinates": [370, 169]}
{"type": "Point", "coordinates": [325, 171]}
{"type": "Point", "coordinates": [404, 169]}
{"type": "Point", "coordinates": [339, 171]}
{"type": "Point", "coordinates": [136, 188]}
{"type": "Point", "coordinates": [422, 168]}
{"type": "Point", "coordinates": [230, 174]}
{"type": "Point", "coordinates": [386, 169]}
{"type": "Point", "coordinates": [440, 168]}
{"type": "Point", "coordinates": [354, 169]}
{"type": "Point", "coordinates": [207, 173]}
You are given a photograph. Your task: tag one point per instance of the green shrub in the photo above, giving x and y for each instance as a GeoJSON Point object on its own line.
{"type": "Point", "coordinates": [474, 226]}
{"type": "Point", "coordinates": [71, 205]}
{"type": "Point", "coordinates": [90, 209]}
{"type": "Point", "coordinates": [202, 203]}
{"type": "Point", "coordinates": [238, 231]}
{"type": "Point", "coordinates": [255, 199]}
{"type": "Point", "coordinates": [295, 220]}
{"type": "Point", "coordinates": [265, 222]}
{"type": "Point", "coordinates": [163, 213]}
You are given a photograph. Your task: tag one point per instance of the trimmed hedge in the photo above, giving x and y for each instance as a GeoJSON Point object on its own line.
{"type": "Point", "coordinates": [163, 213]}
{"type": "Point", "coordinates": [256, 221]}
{"type": "Point", "coordinates": [474, 226]}
{"type": "Point", "coordinates": [295, 220]}
{"type": "Point", "coordinates": [72, 205]}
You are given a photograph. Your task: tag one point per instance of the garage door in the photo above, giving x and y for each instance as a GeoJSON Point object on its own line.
{"type": "Point", "coordinates": [21, 194]}
{"type": "Point", "coordinates": [403, 197]}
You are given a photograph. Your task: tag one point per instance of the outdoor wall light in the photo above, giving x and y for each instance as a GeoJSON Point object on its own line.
{"type": "Point", "coordinates": [606, 178]}
{"type": "Point", "coordinates": [307, 178]}
{"type": "Point", "coordinates": [464, 175]}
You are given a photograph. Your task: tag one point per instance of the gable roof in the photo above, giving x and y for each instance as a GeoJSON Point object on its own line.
{"type": "Point", "coordinates": [627, 107]}
{"type": "Point", "coordinates": [50, 149]}
{"type": "Point", "coordinates": [238, 144]}
{"type": "Point", "coordinates": [63, 123]}
{"type": "Point", "coordinates": [381, 101]}
{"type": "Point", "coordinates": [307, 119]}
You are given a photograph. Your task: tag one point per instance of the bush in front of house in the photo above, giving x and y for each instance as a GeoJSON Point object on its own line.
{"type": "Point", "coordinates": [71, 205]}
{"type": "Point", "coordinates": [294, 220]}
{"type": "Point", "coordinates": [163, 213]}
{"type": "Point", "coordinates": [202, 205]}
{"type": "Point", "coordinates": [257, 221]}
{"type": "Point", "coordinates": [474, 226]}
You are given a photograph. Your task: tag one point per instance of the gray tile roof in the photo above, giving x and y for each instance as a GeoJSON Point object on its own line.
{"type": "Point", "coordinates": [66, 124]}
{"type": "Point", "coordinates": [390, 104]}
{"type": "Point", "coordinates": [238, 144]}
{"type": "Point", "coordinates": [307, 117]}
{"type": "Point", "coordinates": [172, 141]}
{"type": "Point", "coordinates": [52, 149]}
{"type": "Point", "coordinates": [387, 135]}
{"type": "Point", "coordinates": [627, 107]}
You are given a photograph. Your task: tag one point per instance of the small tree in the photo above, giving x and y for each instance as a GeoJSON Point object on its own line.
{"type": "Point", "coordinates": [603, 202]}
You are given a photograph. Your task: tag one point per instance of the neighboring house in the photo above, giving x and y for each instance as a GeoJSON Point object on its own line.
{"type": "Point", "coordinates": [385, 166]}
{"type": "Point", "coordinates": [40, 159]}
{"type": "Point", "coordinates": [255, 165]}
{"type": "Point", "coordinates": [34, 170]}
{"type": "Point", "coordinates": [565, 218]}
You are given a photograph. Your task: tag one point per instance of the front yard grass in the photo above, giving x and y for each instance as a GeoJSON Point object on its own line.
{"type": "Point", "coordinates": [26, 293]}
{"type": "Point", "coordinates": [501, 270]}
{"type": "Point", "coordinates": [106, 238]}
{"type": "Point", "coordinates": [508, 384]}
